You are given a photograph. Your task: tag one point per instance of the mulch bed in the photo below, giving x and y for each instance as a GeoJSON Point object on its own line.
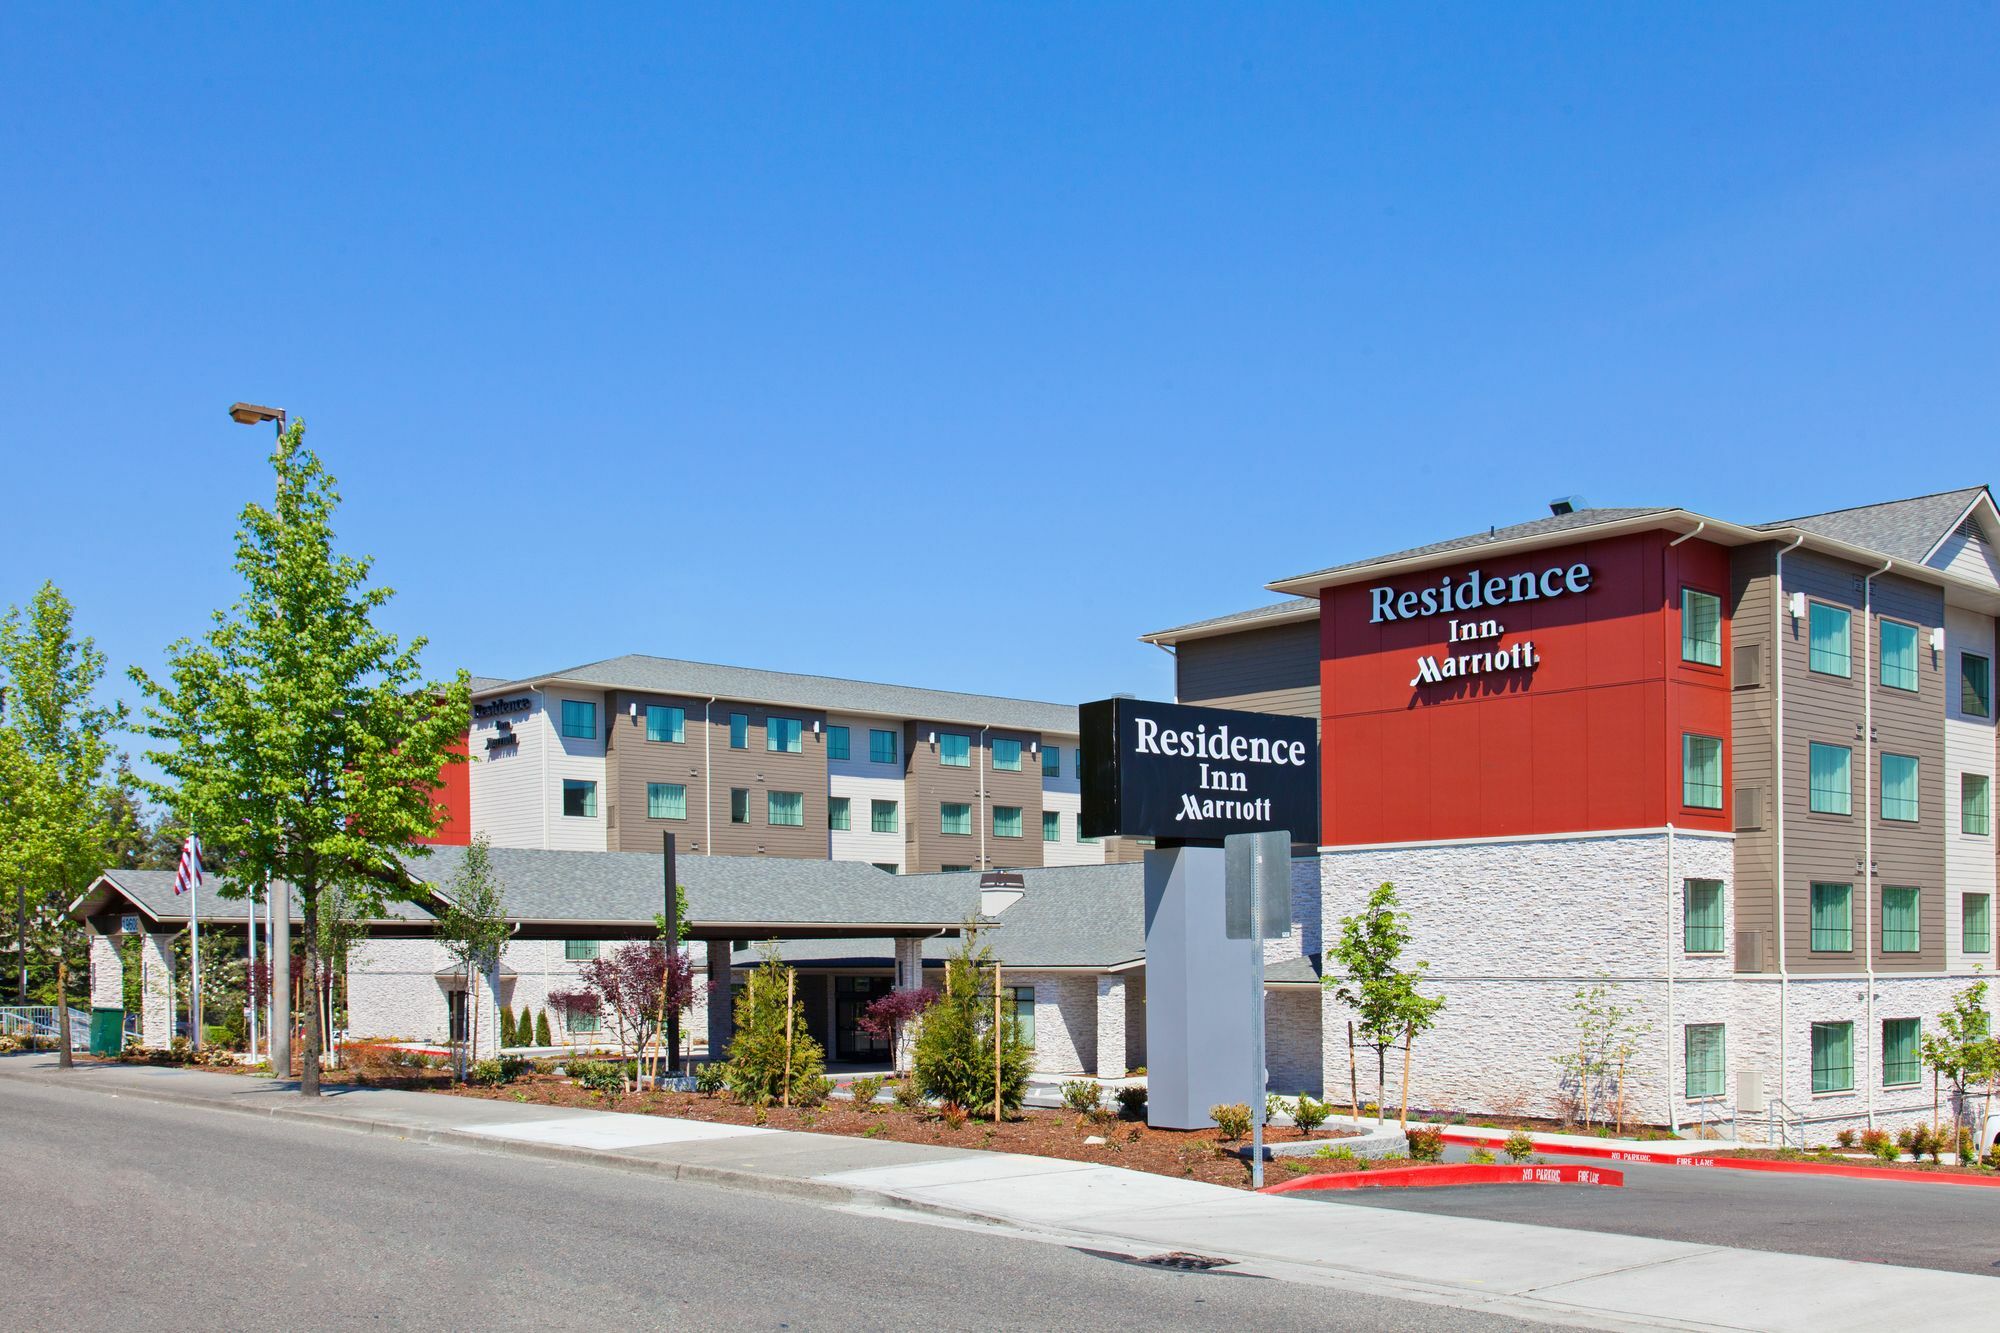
{"type": "Point", "coordinates": [1861, 1160]}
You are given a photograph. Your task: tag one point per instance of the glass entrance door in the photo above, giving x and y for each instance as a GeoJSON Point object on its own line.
{"type": "Point", "coordinates": [851, 996]}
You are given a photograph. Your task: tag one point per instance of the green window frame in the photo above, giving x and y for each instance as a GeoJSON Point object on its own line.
{"type": "Point", "coordinates": [1052, 761]}
{"type": "Point", "coordinates": [1831, 769]}
{"type": "Point", "coordinates": [1898, 669]}
{"type": "Point", "coordinates": [739, 805]}
{"type": "Point", "coordinates": [579, 951]}
{"type": "Point", "coordinates": [1902, 1047]}
{"type": "Point", "coordinates": [1828, 633]}
{"type": "Point", "coordinates": [785, 809]}
{"type": "Point", "coordinates": [666, 724]}
{"type": "Point", "coordinates": [1703, 1059]}
{"type": "Point", "coordinates": [1701, 771]}
{"type": "Point", "coordinates": [1975, 804]}
{"type": "Point", "coordinates": [954, 870]}
{"type": "Point", "coordinates": [1900, 922]}
{"type": "Point", "coordinates": [580, 1023]}
{"type": "Point", "coordinates": [579, 798]}
{"type": "Point", "coordinates": [1833, 1057]}
{"type": "Point", "coordinates": [954, 750]}
{"type": "Point", "coordinates": [1701, 627]}
{"type": "Point", "coordinates": [1975, 685]}
{"type": "Point", "coordinates": [881, 747]}
{"type": "Point", "coordinates": [1975, 919]}
{"type": "Point", "coordinates": [839, 814]}
{"type": "Point", "coordinates": [579, 719]}
{"type": "Point", "coordinates": [1079, 833]}
{"type": "Point", "coordinates": [836, 742]}
{"type": "Point", "coordinates": [1018, 1005]}
{"type": "Point", "coordinates": [1006, 821]}
{"type": "Point", "coordinates": [882, 817]}
{"type": "Point", "coordinates": [666, 800]}
{"type": "Point", "coordinates": [1832, 922]}
{"type": "Point", "coordinates": [1078, 761]}
{"type": "Point", "coordinates": [1899, 787]}
{"type": "Point", "coordinates": [955, 818]}
{"type": "Point", "coordinates": [739, 731]}
{"type": "Point", "coordinates": [1701, 916]}
{"type": "Point", "coordinates": [1006, 755]}
{"type": "Point", "coordinates": [1051, 826]}
{"type": "Point", "coordinates": [784, 735]}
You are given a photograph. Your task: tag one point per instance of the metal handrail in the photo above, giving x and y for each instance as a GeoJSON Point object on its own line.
{"type": "Point", "coordinates": [1779, 1118]}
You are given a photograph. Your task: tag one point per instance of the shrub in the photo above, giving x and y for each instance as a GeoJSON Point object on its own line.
{"type": "Point", "coordinates": [1906, 1139]}
{"type": "Point", "coordinates": [1232, 1118]}
{"type": "Point", "coordinates": [1845, 1138]}
{"type": "Point", "coordinates": [955, 1049]}
{"type": "Point", "coordinates": [761, 1068]}
{"type": "Point", "coordinates": [542, 1029]}
{"type": "Point", "coordinates": [1309, 1115]}
{"type": "Point", "coordinates": [604, 1076]}
{"type": "Point", "coordinates": [953, 1115]}
{"type": "Point", "coordinates": [1873, 1139]}
{"type": "Point", "coordinates": [1274, 1106]}
{"type": "Point", "coordinates": [507, 1026]}
{"type": "Point", "coordinates": [866, 1090]}
{"type": "Point", "coordinates": [1426, 1145]}
{"type": "Point", "coordinates": [1131, 1103]}
{"type": "Point", "coordinates": [1481, 1157]}
{"type": "Point", "coordinates": [1082, 1096]}
{"type": "Point", "coordinates": [811, 1092]}
{"type": "Point", "coordinates": [908, 1095]}
{"type": "Point", "coordinates": [1518, 1147]}
{"type": "Point", "coordinates": [711, 1077]}
{"type": "Point", "coordinates": [1968, 1147]}
{"type": "Point", "coordinates": [493, 1073]}
{"type": "Point", "coordinates": [1887, 1150]}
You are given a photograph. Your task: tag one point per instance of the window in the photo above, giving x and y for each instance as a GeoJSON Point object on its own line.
{"type": "Point", "coordinates": [1079, 831]}
{"type": "Point", "coordinates": [1899, 655]}
{"type": "Point", "coordinates": [1079, 760]}
{"type": "Point", "coordinates": [1832, 779]}
{"type": "Point", "coordinates": [1833, 1057]}
{"type": "Point", "coordinates": [955, 818]}
{"type": "Point", "coordinates": [666, 800]}
{"type": "Point", "coordinates": [1900, 1061]}
{"type": "Point", "coordinates": [1828, 633]}
{"type": "Point", "coordinates": [882, 747]}
{"type": "Point", "coordinates": [783, 735]}
{"type": "Point", "coordinates": [1975, 685]}
{"type": "Point", "coordinates": [1701, 916]}
{"type": "Point", "coordinates": [1976, 918]}
{"type": "Point", "coordinates": [785, 809]}
{"type": "Point", "coordinates": [1832, 918]}
{"type": "Point", "coordinates": [836, 742]}
{"type": "Point", "coordinates": [1899, 787]}
{"type": "Point", "coordinates": [1006, 756]}
{"type": "Point", "coordinates": [579, 719]}
{"type": "Point", "coordinates": [882, 816]}
{"type": "Point", "coordinates": [739, 805]}
{"type": "Point", "coordinates": [954, 750]}
{"type": "Point", "coordinates": [1006, 821]}
{"type": "Point", "coordinates": [1052, 761]}
{"type": "Point", "coordinates": [579, 799]}
{"type": "Point", "coordinates": [665, 723]}
{"type": "Point", "coordinates": [1899, 920]}
{"type": "Point", "coordinates": [1704, 1059]}
{"type": "Point", "coordinates": [889, 866]}
{"type": "Point", "coordinates": [1701, 772]}
{"type": "Point", "coordinates": [954, 870]}
{"type": "Point", "coordinates": [839, 813]}
{"type": "Point", "coordinates": [1701, 627]}
{"type": "Point", "coordinates": [580, 1022]}
{"type": "Point", "coordinates": [1975, 807]}
{"type": "Point", "coordinates": [577, 951]}
{"type": "Point", "coordinates": [1018, 1004]}
{"type": "Point", "coordinates": [739, 731]}
{"type": "Point", "coordinates": [1051, 826]}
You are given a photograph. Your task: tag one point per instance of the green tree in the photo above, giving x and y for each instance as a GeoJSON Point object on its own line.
{"type": "Point", "coordinates": [473, 928]}
{"type": "Point", "coordinates": [1963, 1050]}
{"type": "Point", "coordinates": [765, 1067]}
{"type": "Point", "coordinates": [954, 1056]}
{"type": "Point", "coordinates": [1372, 981]}
{"type": "Point", "coordinates": [56, 820]}
{"type": "Point", "coordinates": [542, 1029]}
{"type": "Point", "coordinates": [301, 741]}
{"type": "Point", "coordinates": [1607, 1035]}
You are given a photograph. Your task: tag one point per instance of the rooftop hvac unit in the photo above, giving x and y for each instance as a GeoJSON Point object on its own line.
{"type": "Point", "coordinates": [1750, 1092]}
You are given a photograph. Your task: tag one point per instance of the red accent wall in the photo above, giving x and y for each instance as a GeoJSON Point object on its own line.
{"type": "Point", "coordinates": [454, 794]}
{"type": "Point", "coordinates": [1589, 739]}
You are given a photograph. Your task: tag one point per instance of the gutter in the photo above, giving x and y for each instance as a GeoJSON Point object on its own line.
{"type": "Point", "coordinates": [1779, 609]}
{"type": "Point", "coordinates": [1868, 809]}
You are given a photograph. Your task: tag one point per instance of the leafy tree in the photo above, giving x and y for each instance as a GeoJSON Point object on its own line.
{"type": "Point", "coordinates": [300, 740]}
{"type": "Point", "coordinates": [1607, 1035]}
{"type": "Point", "coordinates": [764, 1067]}
{"type": "Point", "coordinates": [888, 1017]}
{"type": "Point", "coordinates": [953, 1061]}
{"type": "Point", "coordinates": [639, 983]}
{"type": "Point", "coordinates": [55, 821]}
{"type": "Point", "coordinates": [573, 1005]}
{"type": "Point", "coordinates": [1373, 982]}
{"type": "Point", "coordinates": [542, 1029]}
{"type": "Point", "coordinates": [473, 927]}
{"type": "Point", "coordinates": [1963, 1050]}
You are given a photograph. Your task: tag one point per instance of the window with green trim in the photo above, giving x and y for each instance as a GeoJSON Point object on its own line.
{"type": "Point", "coordinates": [1051, 826]}
{"type": "Point", "coordinates": [1833, 1057]}
{"type": "Point", "coordinates": [1827, 628]}
{"type": "Point", "coordinates": [1018, 1005]}
{"type": "Point", "coordinates": [1902, 1060]}
{"type": "Point", "coordinates": [1899, 787]}
{"type": "Point", "coordinates": [1975, 805]}
{"type": "Point", "coordinates": [785, 809]}
{"type": "Point", "coordinates": [666, 723]}
{"type": "Point", "coordinates": [579, 719]}
{"type": "Point", "coordinates": [739, 805]}
{"type": "Point", "coordinates": [953, 869]}
{"type": "Point", "coordinates": [954, 750]}
{"type": "Point", "coordinates": [882, 817]}
{"type": "Point", "coordinates": [1079, 831]}
{"type": "Point", "coordinates": [1703, 1050]}
{"type": "Point", "coordinates": [1975, 685]}
{"type": "Point", "coordinates": [1701, 919]}
{"type": "Point", "coordinates": [1006, 821]}
{"type": "Point", "coordinates": [577, 951]}
{"type": "Point", "coordinates": [1831, 779]}
{"type": "Point", "coordinates": [1899, 920]}
{"type": "Point", "coordinates": [1832, 924]}
{"type": "Point", "coordinates": [579, 798]}
{"type": "Point", "coordinates": [1052, 761]}
{"type": "Point", "coordinates": [955, 818]}
{"type": "Point", "coordinates": [1077, 761]}
{"type": "Point", "coordinates": [1701, 627]}
{"type": "Point", "coordinates": [1006, 756]}
{"type": "Point", "coordinates": [581, 1023]}
{"type": "Point", "coordinates": [836, 742]}
{"type": "Point", "coordinates": [739, 731]}
{"type": "Point", "coordinates": [882, 747]}
{"type": "Point", "coordinates": [1976, 923]}
{"type": "Point", "coordinates": [1899, 655]}
{"type": "Point", "coordinates": [839, 813]}
{"type": "Point", "coordinates": [784, 735]}
{"type": "Point", "coordinates": [1701, 771]}
{"type": "Point", "coordinates": [666, 800]}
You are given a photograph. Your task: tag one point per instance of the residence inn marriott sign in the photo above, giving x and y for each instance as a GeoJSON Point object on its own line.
{"type": "Point", "coordinates": [1177, 773]}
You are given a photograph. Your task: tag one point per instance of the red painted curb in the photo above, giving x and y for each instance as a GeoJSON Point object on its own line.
{"type": "Point", "coordinates": [1453, 1173]}
{"type": "Point", "coordinates": [1742, 1163]}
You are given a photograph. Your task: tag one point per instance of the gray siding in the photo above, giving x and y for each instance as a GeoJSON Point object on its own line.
{"type": "Point", "coordinates": [1753, 600]}
{"type": "Point", "coordinates": [929, 784]}
{"type": "Point", "coordinates": [1274, 669]}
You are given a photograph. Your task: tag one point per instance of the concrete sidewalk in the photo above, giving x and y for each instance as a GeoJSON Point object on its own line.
{"type": "Point", "coordinates": [1545, 1273]}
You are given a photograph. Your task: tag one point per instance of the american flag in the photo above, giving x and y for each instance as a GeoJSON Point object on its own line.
{"type": "Point", "coordinates": [189, 874]}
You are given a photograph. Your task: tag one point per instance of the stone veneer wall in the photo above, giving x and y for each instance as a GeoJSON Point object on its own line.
{"type": "Point", "coordinates": [1065, 1020]}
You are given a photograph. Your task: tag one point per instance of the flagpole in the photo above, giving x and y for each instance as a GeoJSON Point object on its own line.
{"type": "Point", "coordinates": [250, 976]}
{"type": "Point", "coordinates": [194, 952]}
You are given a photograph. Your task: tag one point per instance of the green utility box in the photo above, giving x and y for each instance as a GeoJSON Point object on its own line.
{"type": "Point", "coordinates": [107, 1031]}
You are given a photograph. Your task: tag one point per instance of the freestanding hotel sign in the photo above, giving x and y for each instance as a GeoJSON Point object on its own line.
{"type": "Point", "coordinates": [1184, 774]}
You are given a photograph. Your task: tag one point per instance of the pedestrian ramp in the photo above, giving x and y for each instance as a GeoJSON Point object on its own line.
{"type": "Point", "coordinates": [611, 1131]}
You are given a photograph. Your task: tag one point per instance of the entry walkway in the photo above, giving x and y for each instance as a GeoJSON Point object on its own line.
{"type": "Point", "coordinates": [1535, 1272]}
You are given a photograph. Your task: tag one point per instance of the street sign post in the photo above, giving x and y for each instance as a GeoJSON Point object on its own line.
{"type": "Point", "coordinates": [1257, 905]}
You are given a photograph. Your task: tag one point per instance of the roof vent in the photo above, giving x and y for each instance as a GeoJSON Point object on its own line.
{"type": "Point", "coordinates": [1567, 504]}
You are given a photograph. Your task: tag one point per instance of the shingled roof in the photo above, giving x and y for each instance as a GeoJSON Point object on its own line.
{"type": "Point", "coordinates": [1907, 529]}
{"type": "Point", "coordinates": [1581, 518]}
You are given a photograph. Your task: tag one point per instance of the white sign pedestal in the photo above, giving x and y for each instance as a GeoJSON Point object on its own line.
{"type": "Point", "coordinates": [1198, 1026]}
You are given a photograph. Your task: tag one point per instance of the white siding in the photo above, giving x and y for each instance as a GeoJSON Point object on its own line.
{"type": "Point", "coordinates": [1063, 796]}
{"type": "Point", "coordinates": [1968, 748]}
{"type": "Point", "coordinates": [862, 782]}
{"type": "Point", "coordinates": [1969, 556]}
{"type": "Point", "coordinates": [574, 757]}
{"type": "Point", "coordinates": [506, 783]}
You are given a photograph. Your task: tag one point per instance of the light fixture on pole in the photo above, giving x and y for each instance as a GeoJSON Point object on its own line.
{"type": "Point", "coordinates": [250, 414]}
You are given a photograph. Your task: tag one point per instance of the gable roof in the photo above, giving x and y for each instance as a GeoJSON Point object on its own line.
{"type": "Point", "coordinates": [1908, 529]}
{"type": "Point", "coordinates": [1289, 611]}
{"type": "Point", "coordinates": [1554, 523]}
{"type": "Point", "coordinates": [833, 694]}
{"type": "Point", "coordinates": [151, 894]}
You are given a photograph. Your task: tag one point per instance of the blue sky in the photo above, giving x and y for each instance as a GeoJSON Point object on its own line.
{"type": "Point", "coordinates": [959, 346]}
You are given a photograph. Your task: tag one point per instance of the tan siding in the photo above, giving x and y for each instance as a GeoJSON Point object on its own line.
{"type": "Point", "coordinates": [1914, 854]}
{"type": "Point", "coordinates": [1752, 596]}
{"type": "Point", "coordinates": [1274, 669]}
{"type": "Point", "coordinates": [929, 784]}
{"type": "Point", "coordinates": [631, 762]}
{"type": "Point", "coordinates": [759, 772]}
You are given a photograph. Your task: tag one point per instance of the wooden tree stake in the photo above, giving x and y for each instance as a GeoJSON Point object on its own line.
{"type": "Point", "coordinates": [791, 990]}
{"type": "Point", "coordinates": [1409, 1040]}
{"type": "Point", "coordinates": [1353, 1077]}
{"type": "Point", "coordinates": [996, 1043]}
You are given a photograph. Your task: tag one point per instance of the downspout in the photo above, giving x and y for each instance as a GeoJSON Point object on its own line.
{"type": "Point", "coordinates": [982, 758]}
{"type": "Point", "coordinates": [1673, 1101]}
{"type": "Point", "coordinates": [1778, 816]}
{"type": "Point", "coordinates": [547, 739]}
{"type": "Point", "coordinates": [708, 775]}
{"type": "Point", "coordinates": [1868, 810]}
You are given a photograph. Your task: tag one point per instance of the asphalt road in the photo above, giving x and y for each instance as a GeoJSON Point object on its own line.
{"type": "Point", "coordinates": [117, 1213]}
{"type": "Point", "coordinates": [1918, 1225]}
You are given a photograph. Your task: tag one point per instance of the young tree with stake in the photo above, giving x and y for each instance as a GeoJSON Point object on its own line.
{"type": "Point", "coordinates": [1964, 1052]}
{"type": "Point", "coordinates": [1373, 982]}
{"type": "Point", "coordinates": [473, 929]}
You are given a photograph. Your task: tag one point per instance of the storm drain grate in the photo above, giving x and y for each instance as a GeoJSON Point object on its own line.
{"type": "Point", "coordinates": [1194, 1263]}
